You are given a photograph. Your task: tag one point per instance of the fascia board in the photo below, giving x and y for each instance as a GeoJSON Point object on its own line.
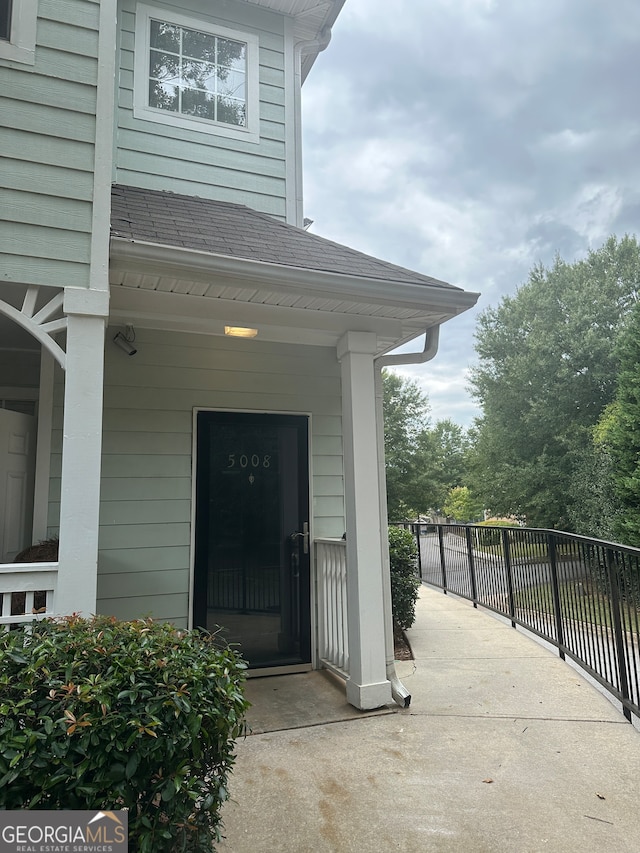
{"type": "Point", "coordinates": [155, 259]}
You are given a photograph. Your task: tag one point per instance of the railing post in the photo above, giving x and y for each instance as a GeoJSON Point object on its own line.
{"type": "Point", "coordinates": [443, 563]}
{"type": "Point", "coordinates": [617, 632]}
{"type": "Point", "coordinates": [506, 548]}
{"type": "Point", "coordinates": [472, 568]}
{"type": "Point", "coordinates": [416, 533]}
{"type": "Point", "coordinates": [555, 588]}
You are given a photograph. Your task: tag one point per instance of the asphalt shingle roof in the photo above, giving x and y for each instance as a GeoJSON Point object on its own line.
{"type": "Point", "coordinates": [236, 231]}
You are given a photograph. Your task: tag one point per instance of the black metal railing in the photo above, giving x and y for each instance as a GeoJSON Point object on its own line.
{"type": "Point", "coordinates": [581, 595]}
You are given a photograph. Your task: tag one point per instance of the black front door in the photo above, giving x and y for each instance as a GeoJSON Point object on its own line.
{"type": "Point", "coordinates": [252, 564]}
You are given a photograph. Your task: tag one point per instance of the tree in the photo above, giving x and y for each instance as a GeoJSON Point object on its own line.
{"type": "Point", "coordinates": [620, 431]}
{"type": "Point", "coordinates": [462, 505]}
{"type": "Point", "coordinates": [410, 469]}
{"type": "Point", "coordinates": [547, 369]}
{"type": "Point", "coordinates": [422, 462]}
{"type": "Point", "coordinates": [594, 507]}
{"type": "Point", "coordinates": [451, 446]}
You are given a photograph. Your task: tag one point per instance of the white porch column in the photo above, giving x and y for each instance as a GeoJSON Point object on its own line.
{"type": "Point", "coordinates": [81, 449]}
{"type": "Point", "coordinates": [367, 686]}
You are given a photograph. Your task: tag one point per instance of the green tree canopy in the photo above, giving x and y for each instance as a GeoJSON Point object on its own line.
{"type": "Point", "coordinates": [422, 461]}
{"type": "Point", "coordinates": [547, 369]}
{"type": "Point", "coordinates": [619, 431]}
{"type": "Point", "coordinates": [462, 505]}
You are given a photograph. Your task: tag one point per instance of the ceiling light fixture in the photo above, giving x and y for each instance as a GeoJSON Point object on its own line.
{"type": "Point", "coordinates": [240, 332]}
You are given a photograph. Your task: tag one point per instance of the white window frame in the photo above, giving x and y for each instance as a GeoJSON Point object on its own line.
{"type": "Point", "coordinates": [21, 46]}
{"type": "Point", "coordinates": [141, 108]}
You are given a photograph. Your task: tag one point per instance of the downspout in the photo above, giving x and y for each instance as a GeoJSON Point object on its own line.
{"type": "Point", "coordinates": [399, 692]}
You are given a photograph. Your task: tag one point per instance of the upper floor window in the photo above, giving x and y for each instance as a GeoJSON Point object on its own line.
{"type": "Point", "coordinates": [18, 19]}
{"type": "Point", "coordinates": [5, 20]}
{"type": "Point", "coordinates": [192, 74]}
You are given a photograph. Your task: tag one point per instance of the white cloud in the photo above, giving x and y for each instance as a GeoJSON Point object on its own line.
{"type": "Point", "coordinates": [595, 211]}
{"type": "Point", "coordinates": [568, 141]}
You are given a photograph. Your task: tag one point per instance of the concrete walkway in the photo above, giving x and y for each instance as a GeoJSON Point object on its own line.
{"type": "Point", "coordinates": [504, 748]}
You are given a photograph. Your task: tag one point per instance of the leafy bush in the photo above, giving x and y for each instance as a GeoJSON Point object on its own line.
{"type": "Point", "coordinates": [101, 714]}
{"type": "Point", "coordinates": [403, 557]}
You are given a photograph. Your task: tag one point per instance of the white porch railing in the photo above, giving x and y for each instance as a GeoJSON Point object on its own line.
{"type": "Point", "coordinates": [333, 639]}
{"type": "Point", "coordinates": [27, 591]}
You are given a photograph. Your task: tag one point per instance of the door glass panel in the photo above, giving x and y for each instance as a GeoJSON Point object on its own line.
{"type": "Point", "coordinates": [252, 573]}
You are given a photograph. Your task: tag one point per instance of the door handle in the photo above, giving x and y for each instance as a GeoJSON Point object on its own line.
{"type": "Point", "coordinates": [304, 536]}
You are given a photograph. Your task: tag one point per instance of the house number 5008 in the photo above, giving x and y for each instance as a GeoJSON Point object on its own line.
{"type": "Point", "coordinates": [253, 461]}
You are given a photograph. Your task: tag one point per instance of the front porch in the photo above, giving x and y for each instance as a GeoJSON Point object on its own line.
{"type": "Point", "coordinates": [238, 323]}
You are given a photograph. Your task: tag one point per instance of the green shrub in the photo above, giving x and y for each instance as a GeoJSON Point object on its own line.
{"type": "Point", "coordinates": [403, 558]}
{"type": "Point", "coordinates": [101, 714]}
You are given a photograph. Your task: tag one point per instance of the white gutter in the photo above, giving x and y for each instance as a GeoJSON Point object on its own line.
{"type": "Point", "coordinates": [399, 692]}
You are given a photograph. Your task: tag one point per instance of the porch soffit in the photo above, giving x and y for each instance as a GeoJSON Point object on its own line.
{"type": "Point", "coordinates": [226, 261]}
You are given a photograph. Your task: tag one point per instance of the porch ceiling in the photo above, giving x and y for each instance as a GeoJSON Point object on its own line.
{"type": "Point", "coordinates": [192, 264]}
{"type": "Point", "coordinates": [176, 310]}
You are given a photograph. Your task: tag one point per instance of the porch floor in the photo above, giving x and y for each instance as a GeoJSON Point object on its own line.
{"type": "Point", "coordinates": [504, 748]}
{"type": "Point", "coordinates": [298, 701]}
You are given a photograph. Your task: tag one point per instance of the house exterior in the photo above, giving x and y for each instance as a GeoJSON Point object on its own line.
{"type": "Point", "coordinates": [189, 380]}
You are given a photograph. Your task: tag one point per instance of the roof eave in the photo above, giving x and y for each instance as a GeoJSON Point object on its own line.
{"type": "Point", "coordinates": [166, 260]}
{"type": "Point", "coordinates": [322, 39]}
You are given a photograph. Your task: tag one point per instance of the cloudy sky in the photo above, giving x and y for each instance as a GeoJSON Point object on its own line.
{"type": "Point", "coordinates": [471, 139]}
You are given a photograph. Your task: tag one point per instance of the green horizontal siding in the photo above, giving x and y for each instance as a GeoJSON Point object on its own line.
{"type": "Point", "coordinates": [139, 488]}
{"type": "Point", "coordinates": [47, 271]}
{"type": "Point", "coordinates": [40, 148]}
{"type": "Point", "coordinates": [171, 379]}
{"type": "Point", "coordinates": [145, 511]}
{"type": "Point", "coordinates": [56, 64]}
{"type": "Point", "coordinates": [60, 36]}
{"type": "Point", "coordinates": [272, 133]}
{"type": "Point", "coordinates": [143, 584]}
{"type": "Point", "coordinates": [83, 14]}
{"type": "Point", "coordinates": [327, 486]}
{"type": "Point", "coordinates": [35, 88]}
{"type": "Point", "coordinates": [146, 466]}
{"type": "Point", "coordinates": [156, 398]}
{"type": "Point", "coordinates": [69, 214]}
{"type": "Point", "coordinates": [273, 205]}
{"type": "Point", "coordinates": [34, 241]}
{"type": "Point", "coordinates": [146, 443]}
{"type": "Point", "coordinates": [120, 561]}
{"type": "Point", "coordinates": [46, 120]}
{"type": "Point", "coordinates": [143, 535]}
{"type": "Point", "coordinates": [164, 608]}
{"type": "Point", "coordinates": [47, 143]}
{"type": "Point", "coordinates": [50, 180]}
{"type": "Point", "coordinates": [145, 421]}
{"type": "Point", "coordinates": [324, 506]}
{"type": "Point", "coordinates": [181, 169]}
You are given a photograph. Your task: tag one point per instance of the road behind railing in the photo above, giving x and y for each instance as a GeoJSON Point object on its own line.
{"type": "Point", "coordinates": [581, 595]}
